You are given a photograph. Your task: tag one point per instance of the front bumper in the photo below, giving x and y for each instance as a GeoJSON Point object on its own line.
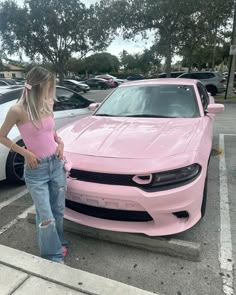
{"type": "Point", "coordinates": [160, 205]}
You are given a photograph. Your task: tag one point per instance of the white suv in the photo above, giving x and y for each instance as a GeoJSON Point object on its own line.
{"type": "Point", "coordinates": [213, 81]}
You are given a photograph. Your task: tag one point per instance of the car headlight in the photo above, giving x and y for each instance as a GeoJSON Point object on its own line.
{"type": "Point", "coordinates": [175, 176]}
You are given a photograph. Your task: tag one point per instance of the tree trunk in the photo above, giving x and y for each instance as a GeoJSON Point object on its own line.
{"type": "Point", "coordinates": [168, 63]}
{"type": "Point", "coordinates": [214, 50]}
{"type": "Point", "coordinates": [61, 70]}
{"type": "Point", "coordinates": [190, 62]}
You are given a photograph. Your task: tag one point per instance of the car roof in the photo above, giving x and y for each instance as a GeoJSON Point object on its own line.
{"type": "Point", "coordinates": [200, 72]}
{"type": "Point", "coordinates": [74, 81]}
{"type": "Point", "coordinates": [100, 79]}
{"type": "Point", "coordinates": [167, 81]}
{"type": "Point", "coordinates": [9, 88]}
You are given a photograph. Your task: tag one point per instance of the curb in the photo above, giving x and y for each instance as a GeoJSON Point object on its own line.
{"type": "Point", "coordinates": [86, 283]}
{"type": "Point", "coordinates": [172, 247]}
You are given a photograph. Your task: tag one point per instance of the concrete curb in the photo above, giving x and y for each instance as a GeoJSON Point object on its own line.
{"type": "Point", "coordinates": [173, 247]}
{"type": "Point", "coordinates": [62, 275]}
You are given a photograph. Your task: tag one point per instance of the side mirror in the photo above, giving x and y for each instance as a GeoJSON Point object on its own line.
{"type": "Point", "coordinates": [215, 108]}
{"type": "Point", "coordinates": [93, 106]}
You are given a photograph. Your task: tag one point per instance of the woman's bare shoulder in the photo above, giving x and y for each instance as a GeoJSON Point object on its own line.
{"type": "Point", "coordinates": [17, 111]}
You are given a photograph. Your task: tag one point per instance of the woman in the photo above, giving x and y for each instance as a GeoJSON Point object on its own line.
{"type": "Point", "coordinates": [44, 167]}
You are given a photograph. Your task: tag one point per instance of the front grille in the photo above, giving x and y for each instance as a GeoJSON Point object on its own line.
{"type": "Point", "coordinates": [109, 214]}
{"type": "Point", "coordinates": [103, 178]}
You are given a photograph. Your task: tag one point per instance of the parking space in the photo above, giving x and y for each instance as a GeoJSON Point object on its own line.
{"type": "Point", "coordinates": [144, 269]}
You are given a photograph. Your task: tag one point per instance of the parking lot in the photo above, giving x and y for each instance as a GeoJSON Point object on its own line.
{"type": "Point", "coordinates": [216, 233]}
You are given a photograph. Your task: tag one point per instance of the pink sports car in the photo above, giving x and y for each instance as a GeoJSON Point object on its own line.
{"type": "Point", "coordinates": [140, 162]}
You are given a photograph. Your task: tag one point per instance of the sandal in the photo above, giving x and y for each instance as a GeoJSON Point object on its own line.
{"type": "Point", "coordinates": [64, 251]}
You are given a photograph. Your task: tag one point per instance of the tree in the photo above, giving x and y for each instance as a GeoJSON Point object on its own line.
{"type": "Point", "coordinates": [143, 62]}
{"type": "Point", "coordinates": [204, 31]}
{"type": "Point", "coordinates": [179, 26]}
{"type": "Point", "coordinates": [162, 17]}
{"type": "Point", "coordinates": [97, 63]}
{"type": "Point", "coordinates": [52, 29]}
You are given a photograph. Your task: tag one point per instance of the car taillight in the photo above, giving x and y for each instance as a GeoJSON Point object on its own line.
{"type": "Point", "coordinates": [222, 81]}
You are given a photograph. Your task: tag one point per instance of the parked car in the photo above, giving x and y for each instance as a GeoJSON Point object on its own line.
{"type": "Point", "coordinates": [225, 74]}
{"type": "Point", "coordinates": [6, 82]}
{"type": "Point", "coordinates": [172, 74]}
{"type": "Point", "coordinates": [116, 81]}
{"type": "Point", "coordinates": [20, 81]}
{"type": "Point", "coordinates": [69, 107]}
{"type": "Point", "coordinates": [76, 85]}
{"type": "Point", "coordinates": [137, 164]}
{"type": "Point", "coordinates": [136, 77]}
{"type": "Point", "coordinates": [98, 83]}
{"type": "Point", "coordinates": [213, 81]}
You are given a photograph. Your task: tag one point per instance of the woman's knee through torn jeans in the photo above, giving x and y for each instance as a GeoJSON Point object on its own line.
{"type": "Point", "coordinates": [46, 185]}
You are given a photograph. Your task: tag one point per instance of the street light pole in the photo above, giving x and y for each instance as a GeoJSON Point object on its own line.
{"type": "Point", "coordinates": [230, 82]}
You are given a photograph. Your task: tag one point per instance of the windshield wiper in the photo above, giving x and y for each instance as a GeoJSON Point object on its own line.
{"type": "Point", "coordinates": [148, 116]}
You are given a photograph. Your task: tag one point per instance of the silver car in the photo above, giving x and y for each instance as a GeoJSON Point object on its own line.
{"type": "Point", "coordinates": [213, 81]}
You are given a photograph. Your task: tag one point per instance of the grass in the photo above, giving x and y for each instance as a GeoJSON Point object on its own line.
{"type": "Point", "coordinates": [222, 97]}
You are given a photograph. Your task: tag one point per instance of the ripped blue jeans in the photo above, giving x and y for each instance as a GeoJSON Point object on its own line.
{"type": "Point", "coordinates": [46, 184]}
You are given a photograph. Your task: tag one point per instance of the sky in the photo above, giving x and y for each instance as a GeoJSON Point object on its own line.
{"type": "Point", "coordinates": [118, 44]}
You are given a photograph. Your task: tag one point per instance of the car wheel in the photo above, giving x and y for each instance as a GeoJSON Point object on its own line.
{"type": "Point", "coordinates": [15, 166]}
{"type": "Point", "coordinates": [204, 199]}
{"type": "Point", "coordinates": [116, 84]}
{"type": "Point", "coordinates": [212, 89]}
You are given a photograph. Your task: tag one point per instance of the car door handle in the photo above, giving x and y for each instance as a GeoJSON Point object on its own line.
{"type": "Point", "coordinates": [72, 114]}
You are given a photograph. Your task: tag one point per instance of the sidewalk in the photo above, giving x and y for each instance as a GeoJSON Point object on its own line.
{"type": "Point", "coordinates": [24, 274]}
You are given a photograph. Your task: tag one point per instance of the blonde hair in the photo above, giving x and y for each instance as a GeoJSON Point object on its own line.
{"type": "Point", "coordinates": [38, 94]}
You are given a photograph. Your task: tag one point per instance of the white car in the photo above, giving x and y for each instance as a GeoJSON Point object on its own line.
{"type": "Point", "coordinates": [70, 107]}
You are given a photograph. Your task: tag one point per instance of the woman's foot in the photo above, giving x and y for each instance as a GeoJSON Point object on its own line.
{"type": "Point", "coordinates": [64, 251]}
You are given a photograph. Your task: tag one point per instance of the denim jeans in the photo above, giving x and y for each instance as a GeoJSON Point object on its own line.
{"type": "Point", "coordinates": [47, 184]}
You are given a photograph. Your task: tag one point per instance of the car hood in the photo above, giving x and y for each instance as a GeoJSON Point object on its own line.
{"type": "Point", "coordinates": [129, 138]}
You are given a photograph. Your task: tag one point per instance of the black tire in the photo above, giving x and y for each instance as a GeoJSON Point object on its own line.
{"type": "Point", "coordinates": [212, 89]}
{"type": "Point", "coordinates": [15, 167]}
{"type": "Point", "coordinates": [204, 199]}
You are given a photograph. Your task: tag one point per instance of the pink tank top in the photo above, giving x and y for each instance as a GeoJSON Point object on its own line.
{"type": "Point", "coordinates": [40, 140]}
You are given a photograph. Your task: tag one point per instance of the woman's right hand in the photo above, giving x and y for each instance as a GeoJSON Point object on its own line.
{"type": "Point", "coordinates": [31, 159]}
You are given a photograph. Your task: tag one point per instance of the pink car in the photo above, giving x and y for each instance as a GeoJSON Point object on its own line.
{"type": "Point", "coordinates": [140, 162]}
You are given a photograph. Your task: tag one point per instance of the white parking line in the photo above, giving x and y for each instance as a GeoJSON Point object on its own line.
{"type": "Point", "coordinates": [13, 199]}
{"type": "Point", "coordinates": [225, 255]}
{"type": "Point", "coordinates": [23, 215]}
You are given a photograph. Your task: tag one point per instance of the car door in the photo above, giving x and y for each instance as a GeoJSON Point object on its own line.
{"type": "Point", "coordinates": [208, 118]}
{"type": "Point", "coordinates": [69, 107]}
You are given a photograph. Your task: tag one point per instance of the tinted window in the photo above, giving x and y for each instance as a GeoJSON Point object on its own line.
{"type": "Point", "coordinates": [202, 76]}
{"type": "Point", "coordinates": [68, 100]}
{"type": "Point", "coordinates": [187, 76]}
{"type": "Point", "coordinates": [3, 83]}
{"type": "Point", "coordinates": [9, 96]}
{"type": "Point", "coordinates": [151, 101]}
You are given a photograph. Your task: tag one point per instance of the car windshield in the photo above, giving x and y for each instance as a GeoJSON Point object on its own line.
{"type": "Point", "coordinates": [163, 101]}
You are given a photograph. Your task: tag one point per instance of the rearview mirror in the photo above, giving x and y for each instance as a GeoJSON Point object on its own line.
{"type": "Point", "coordinates": [215, 108]}
{"type": "Point", "coordinates": [93, 106]}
